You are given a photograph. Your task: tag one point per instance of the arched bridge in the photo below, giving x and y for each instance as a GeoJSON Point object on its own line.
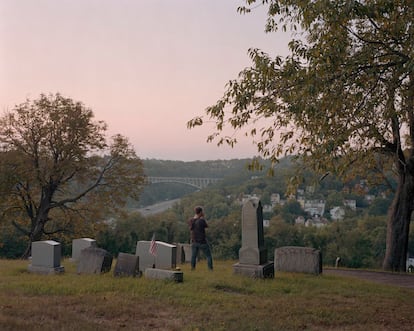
{"type": "Point", "coordinates": [199, 183]}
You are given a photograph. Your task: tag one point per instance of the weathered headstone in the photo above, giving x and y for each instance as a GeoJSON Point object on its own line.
{"type": "Point", "coordinates": [94, 260]}
{"type": "Point", "coordinates": [175, 275]}
{"type": "Point", "coordinates": [187, 252]}
{"type": "Point", "coordinates": [165, 257]}
{"type": "Point", "coordinates": [126, 265]}
{"type": "Point", "coordinates": [298, 259]}
{"type": "Point", "coordinates": [79, 244]}
{"type": "Point", "coordinates": [253, 255]}
{"type": "Point", "coordinates": [46, 256]}
{"type": "Point", "coordinates": [180, 253]}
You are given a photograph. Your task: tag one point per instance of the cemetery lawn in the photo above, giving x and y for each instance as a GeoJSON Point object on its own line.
{"type": "Point", "coordinates": [206, 300]}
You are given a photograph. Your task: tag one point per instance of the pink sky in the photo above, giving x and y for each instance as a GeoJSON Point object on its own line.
{"type": "Point", "coordinates": [145, 67]}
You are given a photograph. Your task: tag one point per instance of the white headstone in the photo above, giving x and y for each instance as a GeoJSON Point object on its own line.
{"type": "Point", "coordinates": [165, 257]}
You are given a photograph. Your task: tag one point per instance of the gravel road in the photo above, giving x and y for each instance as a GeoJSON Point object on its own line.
{"type": "Point", "coordinates": [390, 278]}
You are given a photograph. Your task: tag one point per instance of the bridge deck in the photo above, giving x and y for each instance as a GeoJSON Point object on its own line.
{"type": "Point", "coordinates": [200, 182]}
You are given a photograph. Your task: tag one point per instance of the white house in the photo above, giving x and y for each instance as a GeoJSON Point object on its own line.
{"type": "Point", "coordinates": [337, 213]}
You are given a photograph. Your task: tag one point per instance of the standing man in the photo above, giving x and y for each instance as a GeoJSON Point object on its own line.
{"type": "Point", "coordinates": [198, 226]}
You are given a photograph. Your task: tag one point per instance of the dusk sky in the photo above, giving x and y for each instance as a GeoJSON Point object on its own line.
{"type": "Point", "coordinates": [145, 67]}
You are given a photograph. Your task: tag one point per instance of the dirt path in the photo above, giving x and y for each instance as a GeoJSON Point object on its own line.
{"type": "Point", "coordinates": [395, 279]}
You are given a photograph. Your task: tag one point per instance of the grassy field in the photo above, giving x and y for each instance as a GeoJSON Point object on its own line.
{"type": "Point", "coordinates": [205, 300]}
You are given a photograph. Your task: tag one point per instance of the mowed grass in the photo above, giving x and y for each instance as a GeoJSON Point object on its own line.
{"type": "Point", "coordinates": [205, 300]}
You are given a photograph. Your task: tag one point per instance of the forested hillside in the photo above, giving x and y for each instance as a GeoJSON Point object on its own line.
{"type": "Point", "coordinates": [231, 172]}
{"type": "Point", "coordinates": [359, 238]}
{"type": "Point", "coordinates": [213, 169]}
{"type": "Point", "coordinates": [154, 193]}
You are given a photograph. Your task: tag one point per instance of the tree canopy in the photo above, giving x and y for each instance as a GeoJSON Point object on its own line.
{"type": "Point", "coordinates": [58, 169]}
{"type": "Point", "coordinates": [343, 99]}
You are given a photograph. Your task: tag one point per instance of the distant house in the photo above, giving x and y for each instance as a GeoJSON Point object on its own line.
{"type": "Point", "coordinates": [314, 207]}
{"type": "Point", "coordinates": [337, 213]}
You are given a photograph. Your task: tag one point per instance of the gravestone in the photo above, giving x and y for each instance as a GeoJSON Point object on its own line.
{"type": "Point", "coordinates": [253, 255]}
{"type": "Point", "coordinates": [174, 275]}
{"type": "Point", "coordinates": [298, 259]}
{"type": "Point", "coordinates": [127, 265]}
{"type": "Point", "coordinates": [94, 260]}
{"type": "Point", "coordinates": [165, 257]}
{"type": "Point", "coordinates": [180, 258]}
{"type": "Point", "coordinates": [187, 252]}
{"type": "Point", "coordinates": [79, 244]}
{"type": "Point", "coordinates": [46, 256]}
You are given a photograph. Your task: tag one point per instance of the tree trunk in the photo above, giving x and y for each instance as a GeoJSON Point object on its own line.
{"type": "Point", "coordinates": [40, 219]}
{"type": "Point", "coordinates": [399, 224]}
{"type": "Point", "coordinates": [35, 235]}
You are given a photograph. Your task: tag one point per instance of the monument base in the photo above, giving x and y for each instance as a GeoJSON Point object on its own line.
{"type": "Point", "coordinates": [154, 273]}
{"type": "Point", "coordinates": [46, 270]}
{"type": "Point", "coordinates": [255, 270]}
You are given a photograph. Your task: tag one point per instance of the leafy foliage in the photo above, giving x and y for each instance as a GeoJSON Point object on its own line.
{"type": "Point", "coordinates": [60, 172]}
{"type": "Point", "coordinates": [343, 100]}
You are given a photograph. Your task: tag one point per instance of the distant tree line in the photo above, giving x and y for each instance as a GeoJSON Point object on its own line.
{"type": "Point", "coordinates": [359, 239]}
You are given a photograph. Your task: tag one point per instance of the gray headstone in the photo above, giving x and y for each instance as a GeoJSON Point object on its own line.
{"type": "Point", "coordinates": [153, 273]}
{"type": "Point", "coordinates": [187, 252]}
{"type": "Point", "coordinates": [126, 265]}
{"type": "Point", "coordinates": [253, 254]}
{"type": "Point", "coordinates": [180, 253]}
{"type": "Point", "coordinates": [46, 256]}
{"type": "Point", "coordinates": [265, 270]}
{"type": "Point", "coordinates": [252, 250]}
{"type": "Point", "coordinates": [298, 259]}
{"type": "Point", "coordinates": [79, 244]}
{"type": "Point", "coordinates": [165, 258]}
{"type": "Point", "coordinates": [94, 260]}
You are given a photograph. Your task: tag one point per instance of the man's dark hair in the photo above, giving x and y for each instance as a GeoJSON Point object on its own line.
{"type": "Point", "coordinates": [198, 210]}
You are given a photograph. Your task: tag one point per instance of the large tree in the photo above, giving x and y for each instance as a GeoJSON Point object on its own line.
{"type": "Point", "coordinates": [343, 99]}
{"type": "Point", "coordinates": [59, 170]}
